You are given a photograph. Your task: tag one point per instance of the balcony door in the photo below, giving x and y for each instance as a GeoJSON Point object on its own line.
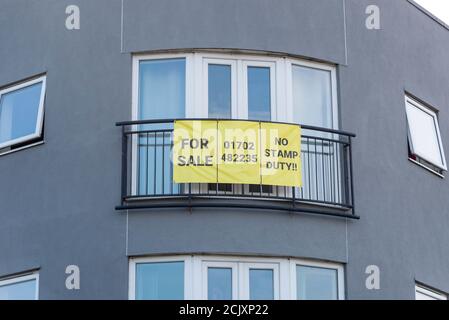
{"type": "Point", "coordinates": [238, 89]}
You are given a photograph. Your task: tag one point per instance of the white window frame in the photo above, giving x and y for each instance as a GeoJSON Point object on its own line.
{"type": "Point", "coordinates": [23, 278]}
{"type": "Point", "coordinates": [410, 102]}
{"type": "Point", "coordinates": [196, 80]}
{"type": "Point", "coordinates": [40, 115]}
{"type": "Point", "coordinates": [133, 262]}
{"type": "Point", "coordinates": [312, 65]}
{"type": "Point", "coordinates": [244, 110]}
{"type": "Point", "coordinates": [195, 273]}
{"type": "Point", "coordinates": [205, 265]}
{"type": "Point", "coordinates": [189, 92]}
{"type": "Point", "coordinates": [334, 102]}
{"type": "Point", "coordinates": [234, 88]}
{"type": "Point", "coordinates": [189, 89]}
{"type": "Point", "coordinates": [431, 293]}
{"type": "Point", "coordinates": [322, 265]}
{"type": "Point", "coordinates": [245, 283]}
{"type": "Point", "coordinates": [197, 90]}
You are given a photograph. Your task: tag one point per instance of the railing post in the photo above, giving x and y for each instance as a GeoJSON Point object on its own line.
{"type": "Point", "coordinates": [351, 175]}
{"type": "Point", "coordinates": [347, 168]}
{"type": "Point", "coordinates": [293, 197]}
{"type": "Point", "coordinates": [190, 198]}
{"type": "Point", "coordinates": [124, 165]}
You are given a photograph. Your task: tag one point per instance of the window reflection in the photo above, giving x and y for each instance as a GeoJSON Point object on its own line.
{"type": "Point", "coordinates": [261, 284]}
{"type": "Point", "coordinates": [160, 281]}
{"type": "Point", "coordinates": [219, 95]}
{"type": "Point", "coordinates": [259, 93]}
{"type": "Point", "coordinates": [316, 283]}
{"type": "Point", "coordinates": [25, 290]}
{"type": "Point", "coordinates": [219, 283]}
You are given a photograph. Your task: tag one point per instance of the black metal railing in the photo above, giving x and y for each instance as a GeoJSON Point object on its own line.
{"type": "Point", "coordinates": [147, 173]}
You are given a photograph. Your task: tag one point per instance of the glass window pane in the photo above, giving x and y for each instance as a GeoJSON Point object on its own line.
{"type": "Point", "coordinates": [162, 85]}
{"type": "Point", "coordinates": [312, 97]}
{"type": "Point", "coordinates": [160, 281]}
{"type": "Point", "coordinates": [259, 93]}
{"type": "Point", "coordinates": [423, 133]}
{"type": "Point", "coordinates": [219, 283]}
{"type": "Point", "coordinates": [18, 112]}
{"type": "Point", "coordinates": [219, 95]}
{"type": "Point", "coordinates": [25, 290]}
{"type": "Point", "coordinates": [161, 96]}
{"type": "Point", "coordinates": [261, 284]}
{"type": "Point", "coordinates": [316, 283]}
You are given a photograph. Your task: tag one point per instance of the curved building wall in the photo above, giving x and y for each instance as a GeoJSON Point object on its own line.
{"type": "Point", "coordinates": [57, 199]}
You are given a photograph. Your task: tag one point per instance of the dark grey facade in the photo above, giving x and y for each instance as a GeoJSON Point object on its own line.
{"type": "Point", "coordinates": [58, 199]}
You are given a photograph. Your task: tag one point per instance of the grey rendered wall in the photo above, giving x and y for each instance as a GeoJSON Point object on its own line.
{"type": "Point", "coordinates": [404, 209]}
{"type": "Point", "coordinates": [57, 200]}
{"type": "Point", "coordinates": [310, 28]}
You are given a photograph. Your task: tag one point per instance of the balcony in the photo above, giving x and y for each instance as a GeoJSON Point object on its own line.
{"type": "Point", "coordinates": [147, 175]}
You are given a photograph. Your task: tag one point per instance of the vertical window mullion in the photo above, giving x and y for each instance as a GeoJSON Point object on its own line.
{"type": "Point", "coordinates": [241, 112]}
{"type": "Point", "coordinates": [189, 278]}
{"type": "Point", "coordinates": [190, 85]}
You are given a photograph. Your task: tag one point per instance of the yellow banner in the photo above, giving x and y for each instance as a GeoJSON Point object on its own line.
{"type": "Point", "coordinates": [281, 155]}
{"type": "Point", "coordinates": [195, 151]}
{"type": "Point", "coordinates": [237, 152]}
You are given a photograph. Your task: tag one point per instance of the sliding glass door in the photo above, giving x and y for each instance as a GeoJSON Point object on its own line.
{"type": "Point", "coordinates": [239, 89]}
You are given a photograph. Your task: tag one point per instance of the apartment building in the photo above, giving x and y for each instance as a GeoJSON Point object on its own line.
{"type": "Point", "coordinates": [90, 92]}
